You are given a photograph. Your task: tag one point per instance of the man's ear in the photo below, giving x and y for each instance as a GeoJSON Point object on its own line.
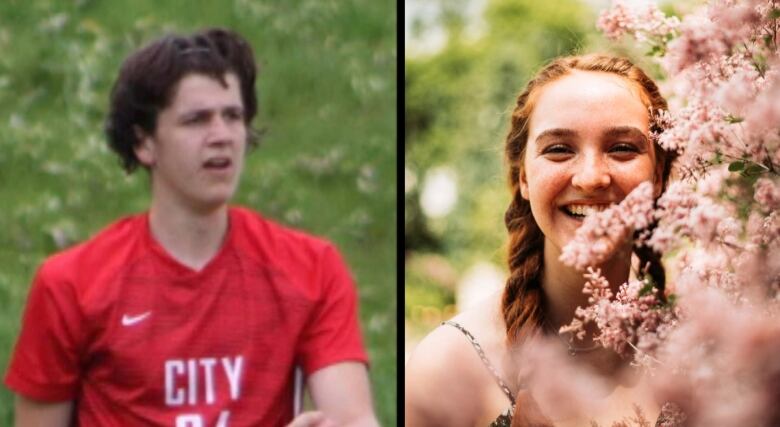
{"type": "Point", "coordinates": [523, 184]}
{"type": "Point", "coordinates": [144, 149]}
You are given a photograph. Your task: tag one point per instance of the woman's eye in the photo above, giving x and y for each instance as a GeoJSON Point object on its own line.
{"type": "Point", "coordinates": [624, 148]}
{"type": "Point", "coordinates": [557, 149]}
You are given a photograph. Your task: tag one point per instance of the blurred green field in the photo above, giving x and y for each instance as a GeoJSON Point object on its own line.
{"type": "Point", "coordinates": [327, 93]}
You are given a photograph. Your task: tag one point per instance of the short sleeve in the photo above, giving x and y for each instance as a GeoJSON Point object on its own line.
{"type": "Point", "coordinates": [45, 361]}
{"type": "Point", "coordinates": [332, 332]}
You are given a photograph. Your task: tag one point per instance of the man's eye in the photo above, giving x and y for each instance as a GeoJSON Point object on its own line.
{"type": "Point", "coordinates": [195, 120]}
{"type": "Point", "coordinates": [234, 115]}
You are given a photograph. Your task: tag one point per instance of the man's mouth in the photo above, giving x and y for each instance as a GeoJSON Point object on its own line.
{"type": "Point", "coordinates": [582, 211]}
{"type": "Point", "coordinates": [217, 163]}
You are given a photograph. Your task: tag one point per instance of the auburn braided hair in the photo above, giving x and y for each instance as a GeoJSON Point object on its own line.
{"type": "Point", "coordinates": [523, 300]}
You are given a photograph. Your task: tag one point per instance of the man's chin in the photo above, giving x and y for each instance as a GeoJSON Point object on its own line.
{"type": "Point", "coordinates": [213, 203]}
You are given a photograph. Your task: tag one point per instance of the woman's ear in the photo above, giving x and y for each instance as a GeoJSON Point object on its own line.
{"type": "Point", "coordinates": [523, 184]}
{"type": "Point", "coordinates": [144, 149]}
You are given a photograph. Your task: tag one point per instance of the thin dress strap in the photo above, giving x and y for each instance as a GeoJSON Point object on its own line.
{"type": "Point", "coordinates": [481, 353]}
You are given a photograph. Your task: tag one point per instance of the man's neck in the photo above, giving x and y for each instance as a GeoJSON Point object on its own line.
{"type": "Point", "coordinates": [191, 237]}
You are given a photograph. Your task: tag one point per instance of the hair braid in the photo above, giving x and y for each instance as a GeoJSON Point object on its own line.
{"type": "Point", "coordinates": [523, 301]}
{"type": "Point", "coordinates": [651, 260]}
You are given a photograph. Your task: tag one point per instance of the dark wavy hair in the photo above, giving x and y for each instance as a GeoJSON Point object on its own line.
{"type": "Point", "coordinates": [523, 300]}
{"type": "Point", "coordinates": [148, 78]}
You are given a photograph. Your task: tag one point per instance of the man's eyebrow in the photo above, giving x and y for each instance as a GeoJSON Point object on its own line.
{"type": "Point", "coordinates": [556, 133]}
{"type": "Point", "coordinates": [198, 111]}
{"type": "Point", "coordinates": [620, 131]}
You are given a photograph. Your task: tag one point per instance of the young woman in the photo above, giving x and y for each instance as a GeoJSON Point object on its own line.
{"type": "Point", "coordinates": [580, 140]}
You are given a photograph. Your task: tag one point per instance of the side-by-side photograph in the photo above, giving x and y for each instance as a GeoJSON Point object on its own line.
{"type": "Point", "coordinates": [591, 198]}
{"type": "Point", "coordinates": [199, 213]}
{"type": "Point", "coordinates": [357, 213]}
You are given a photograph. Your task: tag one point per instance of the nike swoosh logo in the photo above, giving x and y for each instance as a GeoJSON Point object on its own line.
{"type": "Point", "coordinates": [132, 320]}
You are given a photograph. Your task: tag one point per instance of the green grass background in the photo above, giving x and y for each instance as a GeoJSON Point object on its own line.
{"type": "Point", "coordinates": [327, 94]}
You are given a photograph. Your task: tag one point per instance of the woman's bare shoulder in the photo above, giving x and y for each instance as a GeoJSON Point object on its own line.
{"type": "Point", "coordinates": [445, 375]}
{"type": "Point", "coordinates": [448, 350]}
{"type": "Point", "coordinates": [439, 379]}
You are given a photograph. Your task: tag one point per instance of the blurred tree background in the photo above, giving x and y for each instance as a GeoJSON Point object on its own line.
{"type": "Point", "coordinates": [327, 163]}
{"type": "Point", "coordinates": [466, 62]}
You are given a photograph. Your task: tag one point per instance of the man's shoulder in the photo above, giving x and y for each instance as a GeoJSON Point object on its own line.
{"type": "Point", "coordinates": [98, 251]}
{"type": "Point", "coordinates": [275, 238]}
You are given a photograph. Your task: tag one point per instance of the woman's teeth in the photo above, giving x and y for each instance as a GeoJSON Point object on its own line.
{"type": "Point", "coordinates": [584, 210]}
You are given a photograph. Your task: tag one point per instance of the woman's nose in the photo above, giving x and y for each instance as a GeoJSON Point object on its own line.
{"type": "Point", "coordinates": [592, 174]}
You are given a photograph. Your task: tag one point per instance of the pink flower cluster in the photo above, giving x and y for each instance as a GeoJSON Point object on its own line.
{"type": "Point", "coordinates": [713, 33]}
{"type": "Point", "coordinates": [740, 84]}
{"type": "Point", "coordinates": [644, 22]}
{"type": "Point", "coordinates": [767, 194]}
{"type": "Point", "coordinates": [692, 132]}
{"type": "Point", "coordinates": [617, 20]}
{"type": "Point", "coordinates": [603, 232]}
{"type": "Point", "coordinates": [765, 230]}
{"type": "Point", "coordinates": [562, 391]}
{"type": "Point", "coordinates": [633, 323]}
{"type": "Point", "coordinates": [713, 341]}
{"type": "Point", "coordinates": [723, 61]}
{"type": "Point", "coordinates": [721, 364]}
{"type": "Point", "coordinates": [558, 378]}
{"type": "Point", "coordinates": [700, 40]}
{"type": "Point", "coordinates": [684, 213]}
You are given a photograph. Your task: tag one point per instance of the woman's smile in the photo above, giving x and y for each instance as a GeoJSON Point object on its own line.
{"type": "Point", "coordinates": [580, 211]}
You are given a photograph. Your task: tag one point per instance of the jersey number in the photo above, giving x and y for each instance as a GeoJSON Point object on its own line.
{"type": "Point", "coordinates": [195, 420]}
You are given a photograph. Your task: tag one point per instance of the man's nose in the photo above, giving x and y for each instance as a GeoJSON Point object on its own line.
{"type": "Point", "coordinates": [592, 174]}
{"type": "Point", "coordinates": [220, 130]}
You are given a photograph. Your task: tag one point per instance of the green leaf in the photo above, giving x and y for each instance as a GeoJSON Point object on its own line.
{"type": "Point", "coordinates": [760, 63]}
{"type": "Point", "coordinates": [718, 158]}
{"type": "Point", "coordinates": [734, 119]}
{"type": "Point", "coordinates": [774, 13]}
{"type": "Point", "coordinates": [736, 166]}
{"type": "Point", "coordinates": [657, 50]}
{"type": "Point", "coordinates": [647, 289]}
{"type": "Point", "coordinates": [671, 300]}
{"type": "Point", "coordinates": [754, 170]}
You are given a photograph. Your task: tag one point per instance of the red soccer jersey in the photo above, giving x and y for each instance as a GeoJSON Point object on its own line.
{"type": "Point", "coordinates": [137, 339]}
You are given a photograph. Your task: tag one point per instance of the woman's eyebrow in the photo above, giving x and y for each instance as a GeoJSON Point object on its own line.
{"type": "Point", "coordinates": [556, 133]}
{"type": "Point", "coordinates": [625, 131]}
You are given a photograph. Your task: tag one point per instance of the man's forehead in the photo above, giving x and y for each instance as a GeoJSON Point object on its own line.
{"type": "Point", "coordinates": [201, 91]}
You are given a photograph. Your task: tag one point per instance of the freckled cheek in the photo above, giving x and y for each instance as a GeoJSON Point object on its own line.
{"type": "Point", "coordinates": [545, 184]}
{"type": "Point", "coordinates": [631, 174]}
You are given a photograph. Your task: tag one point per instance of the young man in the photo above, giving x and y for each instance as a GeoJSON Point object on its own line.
{"type": "Point", "coordinates": [195, 313]}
